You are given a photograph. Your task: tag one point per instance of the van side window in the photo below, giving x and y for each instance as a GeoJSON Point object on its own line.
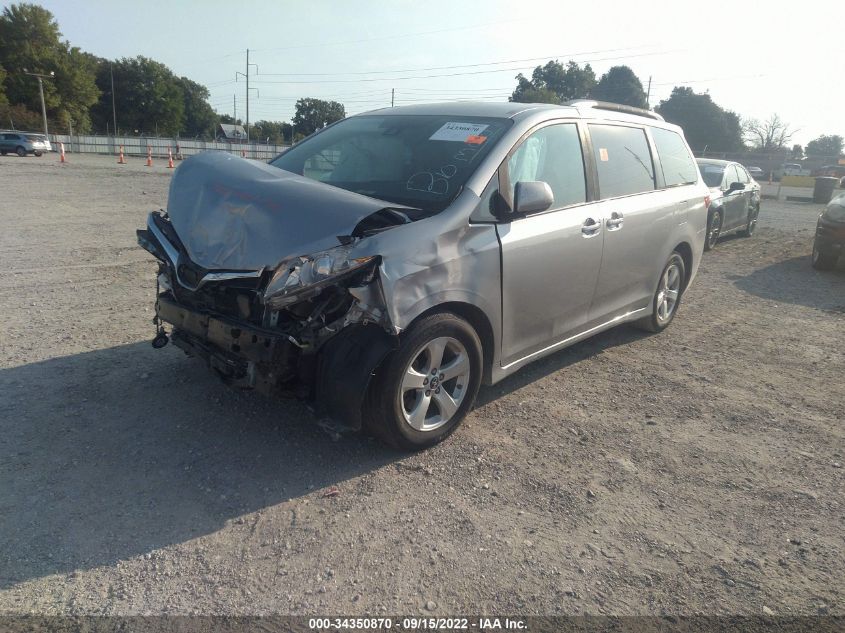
{"type": "Point", "coordinates": [553, 155]}
{"type": "Point", "coordinates": [623, 160]}
{"type": "Point", "coordinates": [678, 166]}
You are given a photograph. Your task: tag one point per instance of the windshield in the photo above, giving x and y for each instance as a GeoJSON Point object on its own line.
{"type": "Point", "coordinates": [421, 161]}
{"type": "Point", "coordinates": [712, 174]}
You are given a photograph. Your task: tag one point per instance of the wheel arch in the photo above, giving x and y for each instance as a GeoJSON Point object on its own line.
{"type": "Point", "coordinates": [685, 251]}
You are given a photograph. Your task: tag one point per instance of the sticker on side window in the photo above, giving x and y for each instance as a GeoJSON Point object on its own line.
{"type": "Point", "coordinates": [458, 132]}
{"type": "Point", "coordinates": [603, 154]}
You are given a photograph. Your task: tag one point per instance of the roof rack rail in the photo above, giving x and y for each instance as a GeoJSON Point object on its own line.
{"type": "Point", "coordinates": [615, 107]}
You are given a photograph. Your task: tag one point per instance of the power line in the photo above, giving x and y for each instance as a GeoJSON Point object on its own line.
{"type": "Point", "coordinates": [475, 72]}
{"type": "Point", "coordinates": [507, 61]}
{"type": "Point", "coordinates": [390, 37]}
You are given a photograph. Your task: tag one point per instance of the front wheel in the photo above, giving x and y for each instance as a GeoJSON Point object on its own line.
{"type": "Point", "coordinates": [823, 260]}
{"type": "Point", "coordinates": [667, 298]}
{"type": "Point", "coordinates": [38, 153]}
{"type": "Point", "coordinates": [714, 228]}
{"type": "Point", "coordinates": [20, 151]}
{"type": "Point", "coordinates": [423, 391]}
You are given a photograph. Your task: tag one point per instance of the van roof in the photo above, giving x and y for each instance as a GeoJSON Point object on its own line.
{"type": "Point", "coordinates": [516, 111]}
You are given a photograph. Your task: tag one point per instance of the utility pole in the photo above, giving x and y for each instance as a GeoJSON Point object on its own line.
{"type": "Point", "coordinates": [113, 108]}
{"type": "Point", "coordinates": [246, 75]}
{"type": "Point", "coordinates": [41, 92]}
{"type": "Point", "coordinates": [235, 108]}
{"type": "Point", "coordinates": [648, 94]}
{"type": "Point", "coordinates": [392, 94]}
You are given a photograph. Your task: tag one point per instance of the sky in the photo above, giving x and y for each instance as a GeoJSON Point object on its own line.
{"type": "Point", "coordinates": [783, 59]}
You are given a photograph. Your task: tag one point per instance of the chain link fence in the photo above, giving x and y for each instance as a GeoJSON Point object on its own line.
{"type": "Point", "coordinates": [137, 146]}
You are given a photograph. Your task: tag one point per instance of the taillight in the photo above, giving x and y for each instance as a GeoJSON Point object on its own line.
{"type": "Point", "coordinates": [706, 202]}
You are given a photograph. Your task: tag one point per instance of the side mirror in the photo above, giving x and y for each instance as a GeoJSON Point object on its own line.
{"type": "Point", "coordinates": [532, 197]}
{"type": "Point", "coordinates": [736, 186]}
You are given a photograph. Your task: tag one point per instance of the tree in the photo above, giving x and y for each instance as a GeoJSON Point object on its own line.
{"type": "Point", "coordinates": [706, 125]}
{"type": "Point", "coordinates": [4, 101]}
{"type": "Point", "coordinates": [312, 114]}
{"type": "Point", "coordinates": [554, 83]}
{"type": "Point", "coordinates": [621, 85]}
{"type": "Point", "coordinates": [30, 39]}
{"type": "Point", "coordinates": [772, 135]}
{"type": "Point", "coordinates": [200, 119]}
{"type": "Point", "coordinates": [148, 97]}
{"type": "Point", "coordinates": [797, 152]}
{"type": "Point", "coordinates": [825, 146]}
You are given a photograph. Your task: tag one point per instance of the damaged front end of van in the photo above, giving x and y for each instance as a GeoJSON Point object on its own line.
{"type": "Point", "coordinates": [260, 275]}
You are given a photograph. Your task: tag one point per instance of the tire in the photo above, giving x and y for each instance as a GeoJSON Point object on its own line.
{"type": "Point", "coordinates": [20, 151]}
{"type": "Point", "coordinates": [37, 153]}
{"type": "Point", "coordinates": [399, 409]}
{"type": "Point", "coordinates": [748, 231]}
{"type": "Point", "coordinates": [823, 260]}
{"type": "Point", "coordinates": [714, 228]}
{"type": "Point", "coordinates": [665, 305]}
{"type": "Point", "coordinates": [3, 152]}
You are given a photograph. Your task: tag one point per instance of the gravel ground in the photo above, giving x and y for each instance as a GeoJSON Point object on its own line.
{"type": "Point", "coordinates": [695, 471]}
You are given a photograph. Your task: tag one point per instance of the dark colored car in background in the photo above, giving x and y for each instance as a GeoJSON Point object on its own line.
{"type": "Point", "coordinates": [829, 244]}
{"type": "Point", "coordinates": [755, 172]}
{"type": "Point", "coordinates": [734, 199]}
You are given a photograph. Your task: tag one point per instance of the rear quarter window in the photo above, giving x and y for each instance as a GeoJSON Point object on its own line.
{"type": "Point", "coordinates": [677, 164]}
{"type": "Point", "coordinates": [623, 160]}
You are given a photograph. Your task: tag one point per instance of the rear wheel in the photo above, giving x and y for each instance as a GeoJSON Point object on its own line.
{"type": "Point", "coordinates": [667, 298]}
{"type": "Point", "coordinates": [714, 228]}
{"type": "Point", "coordinates": [38, 153]}
{"type": "Point", "coordinates": [823, 260]}
{"type": "Point", "coordinates": [20, 151]}
{"type": "Point", "coordinates": [752, 222]}
{"type": "Point", "coordinates": [423, 391]}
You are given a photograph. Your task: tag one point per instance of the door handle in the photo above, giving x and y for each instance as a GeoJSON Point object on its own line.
{"type": "Point", "coordinates": [614, 222]}
{"type": "Point", "coordinates": [590, 227]}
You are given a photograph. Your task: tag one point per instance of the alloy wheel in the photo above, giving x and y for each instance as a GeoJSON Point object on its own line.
{"type": "Point", "coordinates": [668, 292]}
{"type": "Point", "coordinates": [714, 229]}
{"type": "Point", "coordinates": [435, 383]}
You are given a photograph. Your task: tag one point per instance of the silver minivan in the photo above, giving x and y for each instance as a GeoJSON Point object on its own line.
{"type": "Point", "coordinates": [390, 263]}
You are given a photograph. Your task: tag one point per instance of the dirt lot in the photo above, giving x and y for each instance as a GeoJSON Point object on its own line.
{"type": "Point", "coordinates": [696, 471]}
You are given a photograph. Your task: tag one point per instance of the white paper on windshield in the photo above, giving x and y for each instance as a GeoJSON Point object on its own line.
{"type": "Point", "coordinates": [455, 131]}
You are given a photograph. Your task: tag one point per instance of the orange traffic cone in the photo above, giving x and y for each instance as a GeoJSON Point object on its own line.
{"type": "Point", "coordinates": [149, 162]}
{"type": "Point", "coordinates": [121, 160]}
{"type": "Point", "coordinates": [170, 164]}
{"type": "Point", "coordinates": [62, 152]}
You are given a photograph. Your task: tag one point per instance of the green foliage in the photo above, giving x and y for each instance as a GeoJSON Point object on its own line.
{"type": "Point", "coordinates": [18, 117]}
{"type": "Point", "coordinates": [200, 119]}
{"type": "Point", "coordinates": [148, 97]}
{"type": "Point", "coordinates": [275, 131]}
{"type": "Point", "coordinates": [554, 83]}
{"type": "Point", "coordinates": [705, 124]}
{"type": "Point", "coordinates": [621, 85]}
{"type": "Point", "coordinates": [30, 39]}
{"type": "Point", "coordinates": [797, 152]}
{"type": "Point", "coordinates": [4, 101]}
{"type": "Point", "coordinates": [825, 145]}
{"type": "Point", "coordinates": [312, 114]}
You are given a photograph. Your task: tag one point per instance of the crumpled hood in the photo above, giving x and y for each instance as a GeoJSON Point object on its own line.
{"type": "Point", "coordinates": [237, 214]}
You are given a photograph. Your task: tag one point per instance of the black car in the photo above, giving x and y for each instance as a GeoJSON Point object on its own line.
{"type": "Point", "coordinates": [830, 234]}
{"type": "Point", "coordinates": [734, 199]}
